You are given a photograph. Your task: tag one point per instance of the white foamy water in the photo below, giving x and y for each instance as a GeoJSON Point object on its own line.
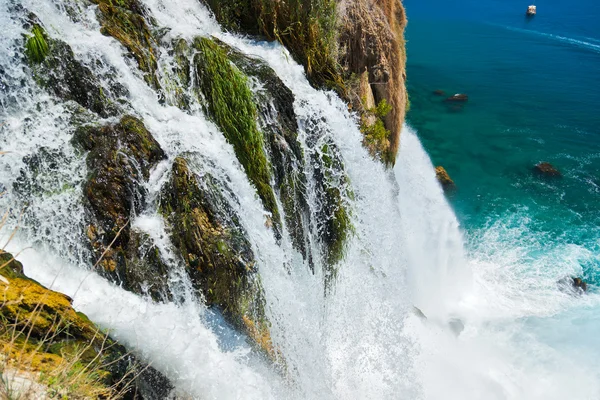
{"type": "Point", "coordinates": [522, 338]}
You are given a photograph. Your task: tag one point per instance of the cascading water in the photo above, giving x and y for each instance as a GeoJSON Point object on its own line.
{"type": "Point", "coordinates": [360, 340]}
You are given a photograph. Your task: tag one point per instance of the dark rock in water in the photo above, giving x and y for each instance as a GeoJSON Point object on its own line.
{"type": "Point", "coordinates": [573, 285]}
{"type": "Point", "coordinates": [219, 259]}
{"type": "Point", "coordinates": [444, 179]}
{"type": "Point", "coordinates": [578, 283]}
{"type": "Point", "coordinates": [120, 158]}
{"type": "Point", "coordinates": [439, 92]}
{"type": "Point", "coordinates": [459, 97]}
{"type": "Point", "coordinates": [546, 169]}
{"type": "Point", "coordinates": [417, 311]}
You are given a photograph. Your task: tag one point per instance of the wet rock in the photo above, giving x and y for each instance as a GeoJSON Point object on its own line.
{"type": "Point", "coordinates": [572, 285]}
{"type": "Point", "coordinates": [444, 179]}
{"type": "Point", "coordinates": [213, 245]}
{"type": "Point", "coordinates": [68, 79]}
{"type": "Point", "coordinates": [458, 98]}
{"type": "Point", "coordinates": [277, 118]}
{"type": "Point", "coordinates": [124, 20]}
{"type": "Point", "coordinates": [439, 92]}
{"type": "Point", "coordinates": [119, 160]}
{"type": "Point", "coordinates": [546, 169]}
{"type": "Point", "coordinates": [578, 283]}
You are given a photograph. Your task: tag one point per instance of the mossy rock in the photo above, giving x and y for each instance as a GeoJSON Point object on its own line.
{"type": "Point", "coordinates": [56, 69]}
{"type": "Point", "coordinates": [230, 103]}
{"type": "Point", "coordinates": [42, 333]}
{"type": "Point", "coordinates": [217, 255]}
{"type": "Point", "coordinates": [119, 160]}
{"type": "Point", "coordinates": [124, 20]}
{"type": "Point", "coordinates": [277, 118]}
{"type": "Point", "coordinates": [335, 224]}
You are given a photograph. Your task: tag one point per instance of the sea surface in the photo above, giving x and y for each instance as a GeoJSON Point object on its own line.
{"type": "Point", "coordinates": [534, 95]}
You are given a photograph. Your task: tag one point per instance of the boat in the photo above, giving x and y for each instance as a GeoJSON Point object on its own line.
{"type": "Point", "coordinates": [531, 10]}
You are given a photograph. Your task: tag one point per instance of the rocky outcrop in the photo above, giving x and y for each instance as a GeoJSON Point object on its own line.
{"type": "Point", "coordinates": [277, 119]}
{"type": "Point", "coordinates": [48, 348]}
{"type": "Point", "coordinates": [547, 170]}
{"type": "Point", "coordinates": [444, 179]}
{"type": "Point", "coordinates": [119, 160]}
{"type": "Point", "coordinates": [213, 245]}
{"type": "Point", "coordinates": [355, 47]}
{"type": "Point", "coordinates": [371, 42]}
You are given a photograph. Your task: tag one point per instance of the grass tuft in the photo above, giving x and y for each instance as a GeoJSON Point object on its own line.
{"type": "Point", "coordinates": [36, 46]}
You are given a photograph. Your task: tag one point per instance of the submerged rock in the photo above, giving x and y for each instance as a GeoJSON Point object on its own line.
{"type": "Point", "coordinates": [458, 98]}
{"type": "Point", "coordinates": [213, 244]}
{"type": "Point", "coordinates": [55, 349]}
{"type": "Point", "coordinates": [444, 179]}
{"type": "Point", "coordinates": [119, 160]}
{"type": "Point", "coordinates": [439, 92]}
{"type": "Point", "coordinates": [547, 170]}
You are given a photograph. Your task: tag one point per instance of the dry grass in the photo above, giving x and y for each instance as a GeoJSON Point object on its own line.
{"type": "Point", "coordinates": [40, 361]}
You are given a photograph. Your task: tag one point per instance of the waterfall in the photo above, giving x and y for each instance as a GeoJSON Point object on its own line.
{"type": "Point", "coordinates": [349, 341]}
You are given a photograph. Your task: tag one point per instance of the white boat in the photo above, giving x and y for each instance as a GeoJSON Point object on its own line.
{"type": "Point", "coordinates": [531, 10]}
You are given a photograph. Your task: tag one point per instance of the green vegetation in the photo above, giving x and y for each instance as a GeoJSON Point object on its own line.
{"type": "Point", "coordinates": [123, 20]}
{"type": "Point", "coordinates": [36, 46]}
{"type": "Point", "coordinates": [338, 224]}
{"type": "Point", "coordinates": [306, 28]}
{"type": "Point", "coordinates": [217, 254]}
{"type": "Point", "coordinates": [376, 136]}
{"type": "Point", "coordinates": [231, 105]}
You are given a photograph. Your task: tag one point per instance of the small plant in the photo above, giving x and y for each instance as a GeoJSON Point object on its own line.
{"type": "Point", "coordinates": [36, 46]}
{"type": "Point", "coordinates": [376, 136]}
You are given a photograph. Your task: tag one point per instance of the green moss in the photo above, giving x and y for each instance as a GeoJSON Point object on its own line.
{"type": "Point", "coordinates": [376, 135]}
{"type": "Point", "coordinates": [123, 20]}
{"type": "Point", "coordinates": [36, 46]}
{"type": "Point", "coordinates": [338, 224]}
{"type": "Point", "coordinates": [231, 105]}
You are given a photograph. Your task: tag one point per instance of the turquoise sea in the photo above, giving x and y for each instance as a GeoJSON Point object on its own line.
{"type": "Point", "coordinates": [534, 95]}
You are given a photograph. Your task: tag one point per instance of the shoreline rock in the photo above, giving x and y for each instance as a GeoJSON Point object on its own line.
{"type": "Point", "coordinates": [444, 179]}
